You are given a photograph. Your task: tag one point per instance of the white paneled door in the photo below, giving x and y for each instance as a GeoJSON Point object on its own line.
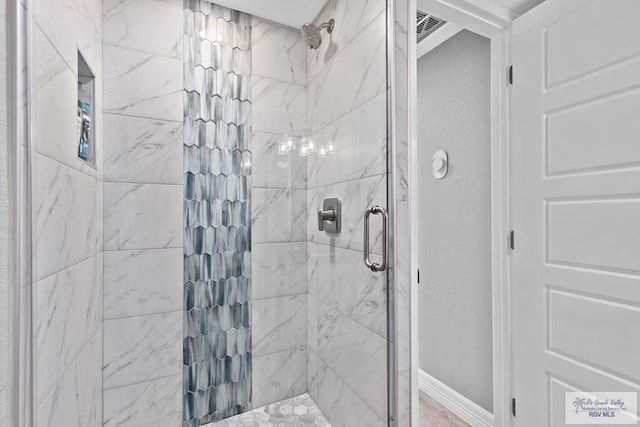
{"type": "Point", "coordinates": [575, 204]}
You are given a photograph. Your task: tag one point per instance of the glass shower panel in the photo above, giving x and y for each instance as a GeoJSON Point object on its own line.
{"type": "Point", "coordinates": [277, 120]}
{"type": "Point", "coordinates": [347, 317]}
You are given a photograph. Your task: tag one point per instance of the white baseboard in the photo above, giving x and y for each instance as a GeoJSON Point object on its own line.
{"type": "Point", "coordinates": [465, 409]}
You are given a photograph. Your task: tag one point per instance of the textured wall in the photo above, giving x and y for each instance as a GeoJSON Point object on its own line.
{"type": "Point", "coordinates": [455, 223]}
{"type": "Point", "coordinates": [4, 306]}
{"type": "Point", "coordinates": [67, 215]}
{"type": "Point", "coordinates": [279, 233]}
{"type": "Point", "coordinates": [347, 106]}
{"type": "Point", "coordinates": [217, 205]}
{"type": "Point", "coordinates": [143, 318]}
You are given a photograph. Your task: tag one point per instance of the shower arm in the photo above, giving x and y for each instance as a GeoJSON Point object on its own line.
{"type": "Point", "coordinates": [328, 25]}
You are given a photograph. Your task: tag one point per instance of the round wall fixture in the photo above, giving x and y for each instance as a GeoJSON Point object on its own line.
{"type": "Point", "coordinates": [440, 164]}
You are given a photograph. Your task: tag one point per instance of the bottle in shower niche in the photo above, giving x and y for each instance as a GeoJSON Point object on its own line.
{"type": "Point", "coordinates": [84, 125]}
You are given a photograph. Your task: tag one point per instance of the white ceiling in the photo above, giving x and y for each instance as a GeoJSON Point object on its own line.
{"type": "Point", "coordinates": [519, 6]}
{"type": "Point", "coordinates": [294, 13]}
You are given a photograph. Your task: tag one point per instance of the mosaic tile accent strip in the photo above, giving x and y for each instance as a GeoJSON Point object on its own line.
{"type": "Point", "coordinates": [217, 213]}
{"type": "Point", "coordinates": [299, 411]}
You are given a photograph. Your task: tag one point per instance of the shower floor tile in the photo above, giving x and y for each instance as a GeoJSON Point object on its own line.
{"type": "Point", "coordinates": [298, 411]}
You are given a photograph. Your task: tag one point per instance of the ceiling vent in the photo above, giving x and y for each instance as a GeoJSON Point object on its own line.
{"type": "Point", "coordinates": [427, 25]}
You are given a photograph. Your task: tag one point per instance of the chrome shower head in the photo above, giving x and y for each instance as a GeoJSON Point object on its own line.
{"type": "Point", "coordinates": [311, 33]}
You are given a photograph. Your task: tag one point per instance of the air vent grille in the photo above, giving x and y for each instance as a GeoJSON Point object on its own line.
{"type": "Point", "coordinates": [427, 24]}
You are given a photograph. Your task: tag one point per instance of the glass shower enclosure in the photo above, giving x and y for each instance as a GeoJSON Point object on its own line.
{"type": "Point", "coordinates": [285, 148]}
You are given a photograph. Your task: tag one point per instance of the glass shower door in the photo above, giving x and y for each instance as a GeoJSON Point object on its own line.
{"type": "Point", "coordinates": [347, 317]}
{"type": "Point", "coordinates": [285, 122]}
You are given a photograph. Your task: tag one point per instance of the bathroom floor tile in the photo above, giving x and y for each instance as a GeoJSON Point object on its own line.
{"type": "Point", "coordinates": [299, 411]}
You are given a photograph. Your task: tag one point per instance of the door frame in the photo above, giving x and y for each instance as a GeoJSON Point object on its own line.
{"type": "Point", "coordinates": [493, 22]}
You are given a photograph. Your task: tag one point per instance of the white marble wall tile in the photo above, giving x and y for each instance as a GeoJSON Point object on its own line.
{"type": "Point", "coordinates": [341, 405]}
{"type": "Point", "coordinates": [99, 224]}
{"type": "Point", "coordinates": [142, 84]}
{"type": "Point", "coordinates": [55, 105]}
{"type": "Point", "coordinates": [278, 215]}
{"type": "Point", "coordinates": [351, 17]}
{"type": "Point", "coordinates": [404, 399]}
{"type": "Point", "coordinates": [278, 52]}
{"type": "Point", "coordinates": [67, 313]}
{"type": "Point", "coordinates": [357, 355]}
{"type": "Point", "coordinates": [155, 403]}
{"type": "Point", "coordinates": [355, 76]}
{"type": "Point", "coordinates": [65, 202]}
{"type": "Point", "coordinates": [278, 107]}
{"type": "Point", "coordinates": [142, 348]}
{"type": "Point", "coordinates": [142, 282]}
{"type": "Point", "coordinates": [312, 375]}
{"type": "Point", "coordinates": [403, 288]}
{"type": "Point", "coordinates": [312, 323]}
{"type": "Point", "coordinates": [278, 269]}
{"type": "Point", "coordinates": [278, 376]}
{"type": "Point", "coordinates": [360, 143]}
{"type": "Point", "coordinates": [279, 324]}
{"type": "Point", "coordinates": [56, 18]}
{"type": "Point", "coordinates": [347, 285]}
{"type": "Point", "coordinates": [141, 216]}
{"type": "Point", "coordinates": [76, 400]}
{"type": "Point", "coordinates": [273, 170]}
{"type": "Point", "coordinates": [356, 196]}
{"type": "Point", "coordinates": [142, 150]}
{"type": "Point", "coordinates": [154, 26]}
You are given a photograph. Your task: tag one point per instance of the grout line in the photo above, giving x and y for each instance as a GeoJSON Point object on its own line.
{"type": "Point", "coordinates": [104, 320]}
{"type": "Point", "coordinates": [352, 110]}
{"type": "Point", "coordinates": [362, 178]}
{"type": "Point", "coordinates": [349, 317]}
{"type": "Point", "coordinates": [253, 242]}
{"type": "Point", "coordinates": [343, 381]}
{"type": "Point", "coordinates": [179, 45]}
{"type": "Point", "coordinates": [278, 188]}
{"type": "Point", "coordinates": [140, 249]}
{"type": "Point", "coordinates": [134, 116]}
{"type": "Point", "coordinates": [263, 76]}
{"type": "Point", "coordinates": [145, 381]}
{"type": "Point", "coordinates": [71, 364]}
{"type": "Point", "coordinates": [143, 183]}
{"type": "Point", "coordinates": [288, 350]}
{"type": "Point", "coordinates": [69, 267]}
{"type": "Point", "coordinates": [70, 166]}
{"type": "Point", "coordinates": [291, 296]}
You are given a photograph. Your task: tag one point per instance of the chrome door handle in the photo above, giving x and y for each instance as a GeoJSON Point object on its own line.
{"type": "Point", "coordinates": [374, 266]}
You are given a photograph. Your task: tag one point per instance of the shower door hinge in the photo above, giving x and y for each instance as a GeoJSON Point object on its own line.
{"type": "Point", "coordinates": [513, 406]}
{"type": "Point", "coordinates": [510, 75]}
{"type": "Point", "coordinates": [512, 240]}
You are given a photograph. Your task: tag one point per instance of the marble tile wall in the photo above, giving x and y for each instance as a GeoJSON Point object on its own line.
{"type": "Point", "coordinates": [279, 214]}
{"type": "Point", "coordinates": [143, 112]}
{"type": "Point", "coordinates": [67, 218]}
{"type": "Point", "coordinates": [347, 106]}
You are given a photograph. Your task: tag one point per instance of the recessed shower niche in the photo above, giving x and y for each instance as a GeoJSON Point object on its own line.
{"type": "Point", "coordinates": [86, 115]}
